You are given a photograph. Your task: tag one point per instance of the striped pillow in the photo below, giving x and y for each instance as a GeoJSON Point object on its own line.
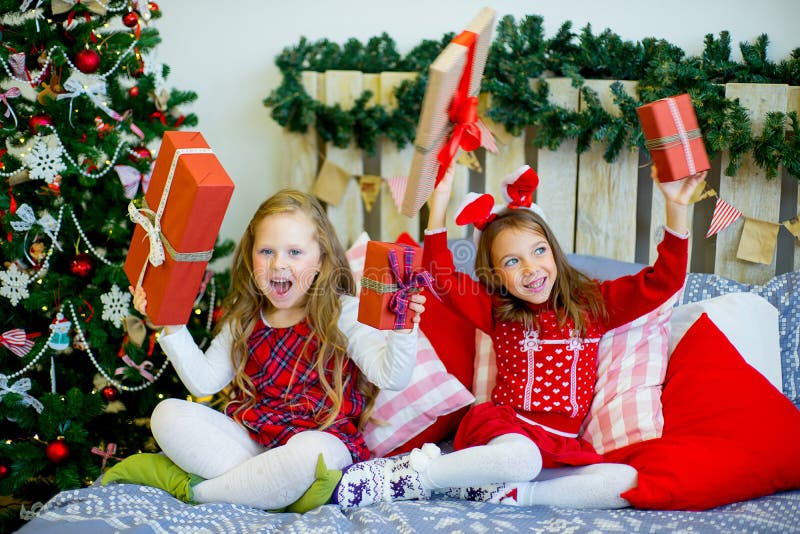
{"type": "Point", "coordinates": [398, 416]}
{"type": "Point", "coordinates": [631, 365]}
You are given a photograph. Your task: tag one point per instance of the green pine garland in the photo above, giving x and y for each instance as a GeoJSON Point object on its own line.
{"type": "Point", "coordinates": [520, 53]}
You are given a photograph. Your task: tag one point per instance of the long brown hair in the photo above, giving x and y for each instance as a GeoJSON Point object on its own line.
{"type": "Point", "coordinates": [323, 307]}
{"type": "Point", "coordinates": [574, 294]}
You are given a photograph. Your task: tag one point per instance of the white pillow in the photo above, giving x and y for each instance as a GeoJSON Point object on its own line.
{"type": "Point", "coordinates": [749, 322]}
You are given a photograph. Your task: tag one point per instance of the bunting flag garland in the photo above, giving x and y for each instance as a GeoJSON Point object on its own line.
{"type": "Point", "coordinates": [370, 187]}
{"type": "Point", "coordinates": [758, 241]}
{"type": "Point", "coordinates": [331, 183]}
{"type": "Point", "coordinates": [724, 216]}
{"type": "Point", "coordinates": [793, 225]}
{"type": "Point", "coordinates": [397, 187]}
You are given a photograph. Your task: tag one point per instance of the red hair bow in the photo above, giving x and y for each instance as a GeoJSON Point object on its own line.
{"type": "Point", "coordinates": [518, 189]}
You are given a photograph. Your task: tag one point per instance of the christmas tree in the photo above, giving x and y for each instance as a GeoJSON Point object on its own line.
{"type": "Point", "coordinates": [83, 106]}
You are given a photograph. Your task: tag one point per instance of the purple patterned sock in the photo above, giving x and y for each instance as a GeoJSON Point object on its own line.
{"type": "Point", "coordinates": [381, 479]}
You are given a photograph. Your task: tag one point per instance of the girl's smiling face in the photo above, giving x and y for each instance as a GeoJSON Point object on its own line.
{"type": "Point", "coordinates": [286, 260]}
{"type": "Point", "coordinates": [525, 264]}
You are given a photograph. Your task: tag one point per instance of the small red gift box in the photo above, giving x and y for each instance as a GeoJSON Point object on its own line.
{"type": "Point", "coordinates": [392, 272]}
{"type": "Point", "coordinates": [178, 225]}
{"type": "Point", "coordinates": [673, 137]}
{"type": "Point", "coordinates": [448, 119]}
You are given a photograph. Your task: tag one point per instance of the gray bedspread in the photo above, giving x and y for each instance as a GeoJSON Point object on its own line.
{"type": "Point", "coordinates": [141, 509]}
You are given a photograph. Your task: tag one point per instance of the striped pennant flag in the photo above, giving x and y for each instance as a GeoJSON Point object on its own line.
{"type": "Point", "coordinates": [724, 215]}
{"type": "Point", "coordinates": [397, 187]}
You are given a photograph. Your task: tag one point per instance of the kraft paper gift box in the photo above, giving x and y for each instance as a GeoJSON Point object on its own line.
{"type": "Point", "coordinates": [441, 123]}
{"type": "Point", "coordinates": [673, 137]}
{"type": "Point", "coordinates": [383, 279]}
{"type": "Point", "coordinates": [188, 195]}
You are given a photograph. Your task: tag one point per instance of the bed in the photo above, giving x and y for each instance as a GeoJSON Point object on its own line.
{"type": "Point", "coordinates": [132, 508]}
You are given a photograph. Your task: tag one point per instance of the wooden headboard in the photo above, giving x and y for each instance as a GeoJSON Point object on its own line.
{"type": "Point", "coordinates": [594, 207]}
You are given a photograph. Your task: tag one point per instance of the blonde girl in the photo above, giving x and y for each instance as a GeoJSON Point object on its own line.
{"type": "Point", "coordinates": [302, 372]}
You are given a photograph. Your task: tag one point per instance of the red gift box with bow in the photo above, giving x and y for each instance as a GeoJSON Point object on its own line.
{"type": "Point", "coordinates": [392, 273]}
{"type": "Point", "coordinates": [448, 119]}
{"type": "Point", "coordinates": [673, 137]}
{"type": "Point", "coordinates": [177, 226]}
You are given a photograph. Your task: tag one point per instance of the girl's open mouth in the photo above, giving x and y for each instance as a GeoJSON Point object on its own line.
{"type": "Point", "coordinates": [280, 286]}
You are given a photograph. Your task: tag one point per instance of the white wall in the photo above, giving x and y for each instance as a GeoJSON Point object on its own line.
{"type": "Point", "coordinates": [225, 52]}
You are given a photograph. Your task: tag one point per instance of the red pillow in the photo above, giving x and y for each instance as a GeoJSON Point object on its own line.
{"type": "Point", "coordinates": [453, 339]}
{"type": "Point", "coordinates": [729, 434]}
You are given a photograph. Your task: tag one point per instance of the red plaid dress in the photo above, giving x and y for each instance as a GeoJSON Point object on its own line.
{"type": "Point", "coordinates": [289, 391]}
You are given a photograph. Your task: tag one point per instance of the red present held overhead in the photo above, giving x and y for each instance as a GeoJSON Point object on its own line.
{"type": "Point", "coordinates": [448, 119]}
{"type": "Point", "coordinates": [392, 273]}
{"type": "Point", "coordinates": [177, 226]}
{"type": "Point", "coordinates": [673, 137]}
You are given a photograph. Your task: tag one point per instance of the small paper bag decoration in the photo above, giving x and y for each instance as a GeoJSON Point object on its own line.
{"type": "Point", "coordinates": [331, 183]}
{"type": "Point", "coordinates": [758, 241]}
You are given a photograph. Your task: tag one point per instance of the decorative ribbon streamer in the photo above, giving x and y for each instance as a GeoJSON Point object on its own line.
{"type": "Point", "coordinates": [16, 341]}
{"type": "Point", "coordinates": [158, 241]}
{"type": "Point", "coordinates": [46, 221]}
{"type": "Point", "coordinates": [466, 133]}
{"type": "Point", "coordinates": [20, 387]}
{"type": "Point", "coordinates": [62, 6]}
{"type": "Point", "coordinates": [143, 368]}
{"type": "Point", "coordinates": [13, 92]}
{"type": "Point", "coordinates": [95, 90]}
{"type": "Point", "coordinates": [407, 282]}
{"type": "Point", "coordinates": [130, 178]}
{"type": "Point", "coordinates": [109, 452]}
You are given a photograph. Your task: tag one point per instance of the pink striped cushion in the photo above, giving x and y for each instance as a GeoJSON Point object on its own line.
{"type": "Point", "coordinates": [632, 362]}
{"type": "Point", "coordinates": [485, 368]}
{"type": "Point", "coordinates": [398, 416]}
{"type": "Point", "coordinates": [631, 365]}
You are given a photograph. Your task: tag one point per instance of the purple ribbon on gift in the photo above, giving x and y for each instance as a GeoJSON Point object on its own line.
{"type": "Point", "coordinates": [408, 282]}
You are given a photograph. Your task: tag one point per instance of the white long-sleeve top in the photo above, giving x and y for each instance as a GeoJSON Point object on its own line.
{"type": "Point", "coordinates": [386, 358]}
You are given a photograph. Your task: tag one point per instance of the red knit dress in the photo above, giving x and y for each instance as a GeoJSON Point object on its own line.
{"type": "Point", "coordinates": [546, 376]}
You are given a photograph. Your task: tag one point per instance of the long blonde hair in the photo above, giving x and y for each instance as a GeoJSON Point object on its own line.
{"type": "Point", "coordinates": [245, 301]}
{"type": "Point", "coordinates": [574, 294]}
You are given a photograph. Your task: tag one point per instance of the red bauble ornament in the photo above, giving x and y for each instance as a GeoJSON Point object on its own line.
{"type": "Point", "coordinates": [130, 19]}
{"type": "Point", "coordinates": [81, 265]}
{"type": "Point", "coordinates": [140, 152]}
{"type": "Point", "coordinates": [57, 451]}
{"type": "Point", "coordinates": [153, 7]}
{"type": "Point", "coordinates": [87, 61]}
{"type": "Point", "coordinates": [37, 121]}
{"type": "Point", "coordinates": [4, 469]}
{"type": "Point", "coordinates": [133, 92]}
{"type": "Point", "coordinates": [110, 393]}
{"type": "Point", "coordinates": [216, 316]}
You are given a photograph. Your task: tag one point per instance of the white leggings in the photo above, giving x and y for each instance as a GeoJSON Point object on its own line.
{"type": "Point", "coordinates": [205, 442]}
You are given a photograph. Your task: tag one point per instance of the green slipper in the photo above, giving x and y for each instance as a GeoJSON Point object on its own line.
{"type": "Point", "coordinates": [320, 491]}
{"type": "Point", "coordinates": [154, 470]}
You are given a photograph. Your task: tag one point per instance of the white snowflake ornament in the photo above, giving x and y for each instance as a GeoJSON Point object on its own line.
{"type": "Point", "coordinates": [116, 305]}
{"type": "Point", "coordinates": [14, 284]}
{"type": "Point", "coordinates": [44, 161]}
